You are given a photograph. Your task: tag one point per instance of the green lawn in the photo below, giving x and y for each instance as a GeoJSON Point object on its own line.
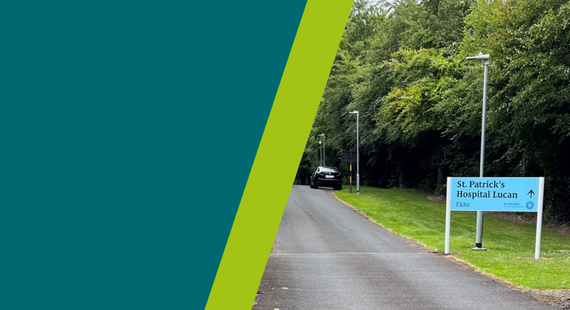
{"type": "Point", "coordinates": [510, 245]}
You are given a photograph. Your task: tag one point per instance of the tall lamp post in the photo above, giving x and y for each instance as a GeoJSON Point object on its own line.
{"type": "Point", "coordinates": [324, 149]}
{"type": "Point", "coordinates": [479, 228]}
{"type": "Point", "coordinates": [320, 153]}
{"type": "Point", "coordinates": [357, 154]}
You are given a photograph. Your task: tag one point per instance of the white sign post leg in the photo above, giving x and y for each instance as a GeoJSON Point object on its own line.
{"type": "Point", "coordinates": [447, 215]}
{"type": "Point", "coordinates": [539, 218]}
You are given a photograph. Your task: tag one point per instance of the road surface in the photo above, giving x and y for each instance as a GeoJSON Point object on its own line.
{"type": "Point", "coordinates": [328, 256]}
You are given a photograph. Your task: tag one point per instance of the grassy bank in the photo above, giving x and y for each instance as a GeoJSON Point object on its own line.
{"type": "Point", "coordinates": [510, 245]}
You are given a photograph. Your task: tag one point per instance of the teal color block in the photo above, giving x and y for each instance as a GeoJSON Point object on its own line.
{"type": "Point", "coordinates": [128, 132]}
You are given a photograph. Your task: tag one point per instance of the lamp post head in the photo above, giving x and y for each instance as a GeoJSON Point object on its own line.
{"type": "Point", "coordinates": [481, 56]}
{"type": "Point", "coordinates": [321, 135]}
{"type": "Point", "coordinates": [353, 112]}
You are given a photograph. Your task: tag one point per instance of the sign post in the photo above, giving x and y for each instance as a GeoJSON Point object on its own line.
{"type": "Point", "coordinates": [539, 219]}
{"type": "Point", "coordinates": [495, 194]}
{"type": "Point", "coordinates": [350, 168]}
{"type": "Point", "coordinates": [347, 158]}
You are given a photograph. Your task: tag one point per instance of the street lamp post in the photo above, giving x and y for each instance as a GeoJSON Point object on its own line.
{"type": "Point", "coordinates": [324, 149]}
{"type": "Point", "coordinates": [479, 227]}
{"type": "Point", "coordinates": [320, 153]}
{"type": "Point", "coordinates": [357, 154]}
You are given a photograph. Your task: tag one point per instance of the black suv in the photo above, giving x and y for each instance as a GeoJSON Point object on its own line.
{"type": "Point", "coordinates": [326, 176]}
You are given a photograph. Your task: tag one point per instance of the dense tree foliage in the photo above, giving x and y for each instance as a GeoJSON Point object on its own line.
{"type": "Point", "coordinates": [402, 65]}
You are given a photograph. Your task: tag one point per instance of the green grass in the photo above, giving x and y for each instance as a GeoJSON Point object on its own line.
{"type": "Point", "coordinates": [510, 245]}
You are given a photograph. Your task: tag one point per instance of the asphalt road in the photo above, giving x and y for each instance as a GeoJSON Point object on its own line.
{"type": "Point", "coordinates": [327, 256]}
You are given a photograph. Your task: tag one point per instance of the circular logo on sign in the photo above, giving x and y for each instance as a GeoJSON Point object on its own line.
{"type": "Point", "coordinates": [529, 205]}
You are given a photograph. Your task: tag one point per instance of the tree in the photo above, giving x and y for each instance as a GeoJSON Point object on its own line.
{"type": "Point", "coordinates": [402, 65]}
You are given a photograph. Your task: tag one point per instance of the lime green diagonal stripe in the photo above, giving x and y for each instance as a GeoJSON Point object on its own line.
{"type": "Point", "coordinates": [282, 144]}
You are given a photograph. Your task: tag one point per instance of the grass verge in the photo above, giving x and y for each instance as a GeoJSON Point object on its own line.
{"type": "Point", "coordinates": [510, 255]}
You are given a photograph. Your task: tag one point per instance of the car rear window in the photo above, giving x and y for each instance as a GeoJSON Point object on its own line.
{"type": "Point", "coordinates": [325, 169]}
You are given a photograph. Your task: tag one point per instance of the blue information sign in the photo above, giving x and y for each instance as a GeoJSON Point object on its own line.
{"type": "Point", "coordinates": [495, 194]}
